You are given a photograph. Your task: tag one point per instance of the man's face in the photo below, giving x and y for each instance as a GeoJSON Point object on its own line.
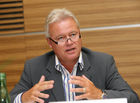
{"type": "Point", "coordinates": [68, 50]}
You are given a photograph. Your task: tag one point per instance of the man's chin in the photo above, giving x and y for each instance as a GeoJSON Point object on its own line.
{"type": "Point", "coordinates": [72, 57]}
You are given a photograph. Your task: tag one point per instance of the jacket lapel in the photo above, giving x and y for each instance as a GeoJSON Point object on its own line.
{"type": "Point", "coordinates": [86, 68]}
{"type": "Point", "coordinates": [53, 74]}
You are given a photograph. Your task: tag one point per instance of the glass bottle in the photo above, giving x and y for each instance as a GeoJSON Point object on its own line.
{"type": "Point", "coordinates": [4, 95]}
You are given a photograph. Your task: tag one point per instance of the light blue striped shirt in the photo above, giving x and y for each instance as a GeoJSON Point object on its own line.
{"type": "Point", "coordinates": [69, 96]}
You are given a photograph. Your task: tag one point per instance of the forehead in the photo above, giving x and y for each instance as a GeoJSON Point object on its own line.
{"type": "Point", "coordinates": [64, 26]}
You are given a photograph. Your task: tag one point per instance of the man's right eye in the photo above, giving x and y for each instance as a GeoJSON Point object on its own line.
{"type": "Point", "coordinates": [60, 38]}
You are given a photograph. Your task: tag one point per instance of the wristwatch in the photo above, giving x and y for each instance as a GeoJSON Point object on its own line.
{"type": "Point", "coordinates": [104, 95]}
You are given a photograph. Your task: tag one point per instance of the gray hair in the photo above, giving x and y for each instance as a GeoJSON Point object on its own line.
{"type": "Point", "coordinates": [57, 15]}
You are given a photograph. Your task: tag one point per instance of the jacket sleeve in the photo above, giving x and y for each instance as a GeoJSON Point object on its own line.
{"type": "Point", "coordinates": [23, 85]}
{"type": "Point", "coordinates": [116, 87]}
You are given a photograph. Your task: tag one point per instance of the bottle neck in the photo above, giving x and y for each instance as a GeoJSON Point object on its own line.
{"type": "Point", "coordinates": [3, 82]}
{"type": "Point", "coordinates": [2, 79]}
{"type": "Point", "coordinates": [4, 96]}
{"type": "Point", "coordinates": [2, 76]}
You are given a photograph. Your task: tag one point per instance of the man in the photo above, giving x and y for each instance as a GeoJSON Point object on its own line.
{"type": "Point", "coordinates": [69, 72]}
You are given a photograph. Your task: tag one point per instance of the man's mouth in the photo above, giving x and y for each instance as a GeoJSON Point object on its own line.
{"type": "Point", "coordinates": [69, 50]}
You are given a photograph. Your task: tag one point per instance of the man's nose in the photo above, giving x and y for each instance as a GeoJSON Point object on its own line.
{"type": "Point", "coordinates": [69, 40]}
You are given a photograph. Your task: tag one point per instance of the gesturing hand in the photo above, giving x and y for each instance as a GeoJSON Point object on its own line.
{"type": "Point", "coordinates": [34, 94]}
{"type": "Point", "coordinates": [88, 88]}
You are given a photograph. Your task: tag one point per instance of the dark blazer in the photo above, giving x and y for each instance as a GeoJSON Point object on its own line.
{"type": "Point", "coordinates": [100, 68]}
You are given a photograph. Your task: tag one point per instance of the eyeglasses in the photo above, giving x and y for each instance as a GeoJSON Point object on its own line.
{"type": "Point", "coordinates": [60, 40]}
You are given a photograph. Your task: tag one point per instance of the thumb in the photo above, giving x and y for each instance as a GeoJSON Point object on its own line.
{"type": "Point", "coordinates": [85, 77]}
{"type": "Point", "coordinates": [42, 78]}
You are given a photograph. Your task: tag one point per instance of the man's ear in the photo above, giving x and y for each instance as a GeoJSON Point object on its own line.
{"type": "Point", "coordinates": [49, 42]}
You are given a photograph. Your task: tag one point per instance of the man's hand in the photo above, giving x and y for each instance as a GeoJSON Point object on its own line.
{"type": "Point", "coordinates": [34, 94]}
{"type": "Point", "coordinates": [88, 88]}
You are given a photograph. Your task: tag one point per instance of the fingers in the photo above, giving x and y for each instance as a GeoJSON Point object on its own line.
{"type": "Point", "coordinates": [77, 80]}
{"type": "Point", "coordinates": [89, 90]}
{"type": "Point", "coordinates": [41, 86]}
{"type": "Point", "coordinates": [83, 96]}
{"type": "Point", "coordinates": [42, 78]}
{"type": "Point", "coordinates": [34, 94]}
{"type": "Point", "coordinates": [85, 77]}
{"type": "Point", "coordinates": [36, 99]}
{"type": "Point", "coordinates": [42, 95]}
{"type": "Point", "coordinates": [78, 90]}
{"type": "Point", "coordinates": [81, 81]}
{"type": "Point", "coordinates": [87, 87]}
{"type": "Point", "coordinates": [45, 86]}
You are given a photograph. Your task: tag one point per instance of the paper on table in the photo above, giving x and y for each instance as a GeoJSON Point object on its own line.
{"type": "Point", "coordinates": [116, 100]}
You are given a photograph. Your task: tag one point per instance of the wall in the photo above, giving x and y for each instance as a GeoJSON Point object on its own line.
{"type": "Point", "coordinates": [110, 26]}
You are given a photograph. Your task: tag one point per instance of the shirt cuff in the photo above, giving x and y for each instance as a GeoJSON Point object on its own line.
{"type": "Point", "coordinates": [104, 95]}
{"type": "Point", "coordinates": [18, 98]}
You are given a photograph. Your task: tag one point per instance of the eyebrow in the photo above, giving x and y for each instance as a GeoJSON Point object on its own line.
{"type": "Point", "coordinates": [64, 34]}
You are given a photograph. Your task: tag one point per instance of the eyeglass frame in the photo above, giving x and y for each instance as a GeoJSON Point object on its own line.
{"type": "Point", "coordinates": [56, 42]}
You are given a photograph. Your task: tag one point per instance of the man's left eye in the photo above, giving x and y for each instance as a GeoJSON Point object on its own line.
{"type": "Point", "coordinates": [73, 34]}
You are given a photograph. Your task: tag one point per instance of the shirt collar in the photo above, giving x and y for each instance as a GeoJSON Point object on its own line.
{"type": "Point", "coordinates": [80, 62]}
